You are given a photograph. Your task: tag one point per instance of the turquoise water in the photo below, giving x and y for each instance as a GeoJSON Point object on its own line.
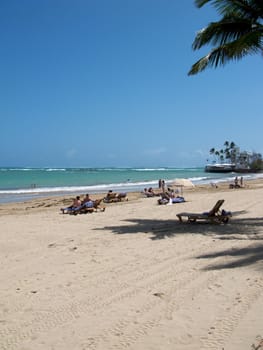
{"type": "Point", "coordinates": [19, 184]}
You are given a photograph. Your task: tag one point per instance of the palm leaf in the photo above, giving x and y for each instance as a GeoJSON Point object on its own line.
{"type": "Point", "coordinates": [247, 8]}
{"type": "Point", "coordinates": [237, 34]}
{"type": "Point", "coordinates": [219, 33]}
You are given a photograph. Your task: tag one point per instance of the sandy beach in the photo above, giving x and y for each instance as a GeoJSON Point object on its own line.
{"type": "Point", "coordinates": [133, 277]}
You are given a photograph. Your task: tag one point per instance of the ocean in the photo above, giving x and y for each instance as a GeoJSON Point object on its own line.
{"type": "Point", "coordinates": [20, 184]}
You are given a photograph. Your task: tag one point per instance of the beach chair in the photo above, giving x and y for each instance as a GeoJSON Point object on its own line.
{"type": "Point", "coordinates": [215, 215]}
{"type": "Point", "coordinates": [81, 210]}
{"type": "Point", "coordinates": [114, 197]}
{"type": "Point", "coordinates": [121, 196]}
{"type": "Point", "coordinates": [88, 207]}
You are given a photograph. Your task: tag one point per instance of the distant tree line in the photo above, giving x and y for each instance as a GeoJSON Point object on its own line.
{"type": "Point", "coordinates": [231, 154]}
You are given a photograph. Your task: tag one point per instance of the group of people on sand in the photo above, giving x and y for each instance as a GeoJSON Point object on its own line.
{"type": "Point", "coordinates": [87, 205]}
{"type": "Point", "coordinates": [149, 192]}
{"type": "Point", "coordinates": [114, 197]}
{"type": "Point", "coordinates": [166, 196]}
{"type": "Point", "coordinates": [170, 197]}
{"type": "Point", "coordinates": [237, 183]}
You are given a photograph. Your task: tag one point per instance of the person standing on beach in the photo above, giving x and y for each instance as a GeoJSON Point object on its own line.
{"type": "Point", "coordinates": [163, 186]}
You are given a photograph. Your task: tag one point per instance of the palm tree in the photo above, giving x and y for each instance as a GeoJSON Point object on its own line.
{"type": "Point", "coordinates": [227, 150]}
{"type": "Point", "coordinates": [238, 33]}
{"type": "Point", "coordinates": [212, 151]}
{"type": "Point", "coordinates": [232, 145]}
{"type": "Point", "coordinates": [217, 154]}
{"type": "Point", "coordinates": [222, 158]}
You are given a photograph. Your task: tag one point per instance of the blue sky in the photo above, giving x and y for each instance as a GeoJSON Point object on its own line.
{"type": "Point", "coordinates": [104, 83]}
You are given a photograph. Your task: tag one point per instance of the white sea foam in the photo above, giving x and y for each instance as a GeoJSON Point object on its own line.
{"type": "Point", "coordinates": [52, 181]}
{"type": "Point", "coordinates": [150, 169]}
{"type": "Point", "coordinates": [124, 186]}
{"type": "Point", "coordinates": [54, 169]}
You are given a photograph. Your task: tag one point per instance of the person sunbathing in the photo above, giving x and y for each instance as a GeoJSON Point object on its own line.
{"type": "Point", "coordinates": [93, 204]}
{"type": "Point", "coordinates": [76, 204]}
{"type": "Point", "coordinates": [149, 192]}
{"type": "Point", "coordinates": [114, 197]}
{"type": "Point", "coordinates": [170, 198]}
{"type": "Point", "coordinates": [88, 204]}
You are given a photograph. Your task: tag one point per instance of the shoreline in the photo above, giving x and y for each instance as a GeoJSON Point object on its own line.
{"type": "Point", "coordinates": [46, 202]}
{"type": "Point", "coordinates": [120, 182]}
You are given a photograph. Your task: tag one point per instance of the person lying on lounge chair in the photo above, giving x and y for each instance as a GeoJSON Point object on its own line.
{"type": "Point", "coordinates": [76, 204]}
{"type": "Point", "coordinates": [114, 197]}
{"type": "Point", "coordinates": [170, 198]}
{"type": "Point", "coordinates": [149, 192]}
{"type": "Point", "coordinates": [88, 204]}
{"type": "Point", "coordinates": [215, 215]}
{"type": "Point", "coordinates": [120, 196]}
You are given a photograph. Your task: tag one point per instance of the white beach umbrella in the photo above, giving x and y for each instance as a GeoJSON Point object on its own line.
{"type": "Point", "coordinates": [183, 182]}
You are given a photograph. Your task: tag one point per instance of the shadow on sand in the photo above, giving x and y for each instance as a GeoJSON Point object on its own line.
{"type": "Point", "coordinates": [249, 229]}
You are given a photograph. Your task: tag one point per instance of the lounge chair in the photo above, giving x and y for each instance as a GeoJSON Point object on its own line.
{"type": "Point", "coordinates": [88, 207]}
{"type": "Point", "coordinates": [114, 197]}
{"type": "Point", "coordinates": [215, 215]}
{"type": "Point", "coordinates": [121, 196]}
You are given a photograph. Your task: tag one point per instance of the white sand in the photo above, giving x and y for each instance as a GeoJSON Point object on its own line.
{"type": "Point", "coordinates": [133, 277]}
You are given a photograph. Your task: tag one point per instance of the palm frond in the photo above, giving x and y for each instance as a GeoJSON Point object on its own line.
{"type": "Point", "coordinates": [247, 45]}
{"type": "Point", "coordinates": [218, 56]}
{"type": "Point", "coordinates": [246, 8]}
{"type": "Point", "coordinates": [200, 65]}
{"type": "Point", "coordinates": [237, 34]}
{"type": "Point", "coordinates": [221, 32]}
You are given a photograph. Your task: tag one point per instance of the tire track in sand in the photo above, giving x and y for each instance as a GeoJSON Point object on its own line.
{"type": "Point", "coordinates": [191, 281]}
{"type": "Point", "coordinates": [134, 284]}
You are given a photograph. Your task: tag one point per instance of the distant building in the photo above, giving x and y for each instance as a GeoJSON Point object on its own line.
{"type": "Point", "coordinates": [239, 161]}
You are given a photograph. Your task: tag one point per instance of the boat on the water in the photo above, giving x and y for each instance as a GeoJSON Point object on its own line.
{"type": "Point", "coordinates": [220, 168]}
